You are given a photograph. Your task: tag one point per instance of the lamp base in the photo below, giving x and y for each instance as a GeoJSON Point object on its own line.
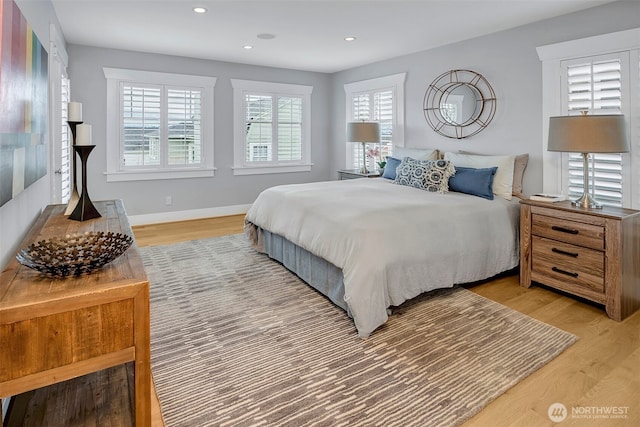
{"type": "Point", "coordinates": [587, 202]}
{"type": "Point", "coordinates": [364, 169]}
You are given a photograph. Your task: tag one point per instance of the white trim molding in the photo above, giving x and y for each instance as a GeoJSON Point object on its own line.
{"type": "Point", "coordinates": [157, 218]}
{"type": "Point", "coordinates": [115, 171]}
{"type": "Point", "coordinates": [395, 82]}
{"type": "Point", "coordinates": [240, 165]}
{"type": "Point", "coordinates": [552, 57]}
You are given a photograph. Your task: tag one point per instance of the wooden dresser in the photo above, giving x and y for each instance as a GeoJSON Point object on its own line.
{"type": "Point", "coordinates": [52, 330]}
{"type": "Point", "coordinates": [591, 253]}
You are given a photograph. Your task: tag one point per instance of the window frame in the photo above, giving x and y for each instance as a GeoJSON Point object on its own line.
{"type": "Point", "coordinates": [243, 87]}
{"type": "Point", "coordinates": [395, 83]}
{"type": "Point", "coordinates": [568, 158]}
{"type": "Point", "coordinates": [59, 132]}
{"type": "Point", "coordinates": [115, 78]}
{"type": "Point", "coordinates": [552, 104]}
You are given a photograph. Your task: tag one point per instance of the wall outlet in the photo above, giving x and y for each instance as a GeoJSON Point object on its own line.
{"type": "Point", "coordinates": [168, 200]}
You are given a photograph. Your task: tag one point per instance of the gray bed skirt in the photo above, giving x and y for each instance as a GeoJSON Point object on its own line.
{"type": "Point", "coordinates": [320, 274]}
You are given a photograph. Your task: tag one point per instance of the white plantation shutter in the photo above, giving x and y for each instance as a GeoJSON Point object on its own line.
{"type": "Point", "coordinates": [184, 131]}
{"type": "Point", "coordinates": [361, 104]}
{"type": "Point", "coordinates": [266, 124]}
{"type": "Point", "coordinates": [361, 107]}
{"type": "Point", "coordinates": [289, 128]}
{"type": "Point", "coordinates": [65, 142]}
{"type": "Point", "coordinates": [381, 100]}
{"type": "Point", "coordinates": [383, 114]}
{"type": "Point", "coordinates": [161, 126]}
{"type": "Point", "coordinates": [141, 131]}
{"type": "Point", "coordinates": [377, 106]}
{"type": "Point", "coordinates": [272, 127]}
{"type": "Point", "coordinates": [259, 124]}
{"type": "Point", "coordinates": [595, 85]}
{"type": "Point", "coordinates": [599, 74]}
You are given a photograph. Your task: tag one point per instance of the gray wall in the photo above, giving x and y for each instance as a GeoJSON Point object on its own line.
{"type": "Point", "coordinates": [510, 63]}
{"type": "Point", "coordinates": [508, 60]}
{"type": "Point", "coordinates": [88, 85]}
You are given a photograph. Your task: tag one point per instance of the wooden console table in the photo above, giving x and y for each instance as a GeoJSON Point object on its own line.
{"type": "Point", "coordinates": [53, 330]}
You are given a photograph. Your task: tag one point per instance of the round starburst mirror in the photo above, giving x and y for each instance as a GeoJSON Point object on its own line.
{"type": "Point", "coordinates": [459, 104]}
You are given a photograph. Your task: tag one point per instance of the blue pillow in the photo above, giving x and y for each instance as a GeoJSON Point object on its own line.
{"type": "Point", "coordinates": [477, 182]}
{"type": "Point", "coordinates": [390, 167]}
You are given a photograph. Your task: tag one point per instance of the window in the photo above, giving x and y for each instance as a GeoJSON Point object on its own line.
{"type": "Point", "coordinates": [65, 141]}
{"type": "Point", "coordinates": [272, 131]}
{"type": "Point", "coordinates": [159, 125]}
{"type": "Point", "coordinates": [598, 75]}
{"type": "Point", "coordinates": [595, 85]}
{"type": "Point", "coordinates": [380, 100]}
{"type": "Point", "coordinates": [59, 92]}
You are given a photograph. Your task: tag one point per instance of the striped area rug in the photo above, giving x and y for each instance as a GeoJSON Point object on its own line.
{"type": "Point", "coordinates": [237, 340]}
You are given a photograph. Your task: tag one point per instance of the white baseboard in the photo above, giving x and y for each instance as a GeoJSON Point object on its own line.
{"type": "Point", "coordinates": [157, 218]}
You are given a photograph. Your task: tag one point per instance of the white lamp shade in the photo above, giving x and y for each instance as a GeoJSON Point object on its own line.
{"type": "Point", "coordinates": [363, 132]}
{"type": "Point", "coordinates": [588, 134]}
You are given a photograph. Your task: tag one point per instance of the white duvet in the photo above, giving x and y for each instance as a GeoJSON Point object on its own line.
{"type": "Point", "coordinates": [392, 242]}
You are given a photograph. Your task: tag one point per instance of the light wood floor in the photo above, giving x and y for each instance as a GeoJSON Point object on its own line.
{"type": "Point", "coordinates": [600, 371]}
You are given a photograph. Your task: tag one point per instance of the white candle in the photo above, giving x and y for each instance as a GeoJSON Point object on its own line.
{"type": "Point", "coordinates": [74, 112]}
{"type": "Point", "coordinates": [83, 134]}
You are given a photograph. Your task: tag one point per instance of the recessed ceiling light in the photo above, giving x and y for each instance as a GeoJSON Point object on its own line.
{"type": "Point", "coordinates": [247, 46]}
{"type": "Point", "coordinates": [266, 36]}
{"type": "Point", "coordinates": [350, 39]}
{"type": "Point", "coordinates": [200, 10]}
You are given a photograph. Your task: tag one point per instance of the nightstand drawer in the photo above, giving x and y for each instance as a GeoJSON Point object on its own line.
{"type": "Point", "coordinates": [577, 233]}
{"type": "Point", "coordinates": [568, 263]}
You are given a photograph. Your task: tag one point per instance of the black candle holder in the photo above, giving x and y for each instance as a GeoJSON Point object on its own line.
{"type": "Point", "coordinates": [74, 196]}
{"type": "Point", "coordinates": [84, 209]}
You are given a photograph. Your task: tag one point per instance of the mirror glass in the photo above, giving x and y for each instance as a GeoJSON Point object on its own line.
{"type": "Point", "coordinates": [459, 104]}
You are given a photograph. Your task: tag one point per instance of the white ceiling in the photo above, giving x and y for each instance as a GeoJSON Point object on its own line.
{"type": "Point", "coordinates": [309, 34]}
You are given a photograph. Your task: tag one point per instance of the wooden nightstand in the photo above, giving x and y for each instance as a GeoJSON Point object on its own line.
{"type": "Point", "coordinates": [355, 173]}
{"type": "Point", "coordinates": [593, 253]}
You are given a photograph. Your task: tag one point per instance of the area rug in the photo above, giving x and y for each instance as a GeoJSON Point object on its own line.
{"type": "Point", "coordinates": [238, 340]}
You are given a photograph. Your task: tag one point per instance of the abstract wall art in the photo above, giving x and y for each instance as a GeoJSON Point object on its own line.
{"type": "Point", "coordinates": [23, 103]}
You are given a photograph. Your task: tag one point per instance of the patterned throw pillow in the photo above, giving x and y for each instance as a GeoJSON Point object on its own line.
{"type": "Point", "coordinates": [430, 175]}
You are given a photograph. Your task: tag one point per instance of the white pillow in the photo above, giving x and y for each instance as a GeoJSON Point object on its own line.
{"type": "Point", "coordinates": [415, 153]}
{"type": "Point", "coordinates": [503, 180]}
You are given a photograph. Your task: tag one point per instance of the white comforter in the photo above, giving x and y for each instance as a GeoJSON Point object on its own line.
{"type": "Point", "coordinates": [392, 242]}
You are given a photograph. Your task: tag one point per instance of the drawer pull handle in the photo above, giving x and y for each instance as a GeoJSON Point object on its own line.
{"type": "Point", "coordinates": [568, 273]}
{"type": "Point", "coordinates": [564, 230]}
{"type": "Point", "coordinates": [560, 251]}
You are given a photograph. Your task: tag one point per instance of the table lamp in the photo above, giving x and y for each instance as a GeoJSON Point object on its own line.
{"type": "Point", "coordinates": [588, 134]}
{"type": "Point", "coordinates": [363, 132]}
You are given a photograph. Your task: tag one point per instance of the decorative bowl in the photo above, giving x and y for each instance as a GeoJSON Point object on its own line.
{"type": "Point", "coordinates": [74, 254]}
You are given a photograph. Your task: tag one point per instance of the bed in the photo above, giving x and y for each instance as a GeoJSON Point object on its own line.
{"type": "Point", "coordinates": [369, 244]}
